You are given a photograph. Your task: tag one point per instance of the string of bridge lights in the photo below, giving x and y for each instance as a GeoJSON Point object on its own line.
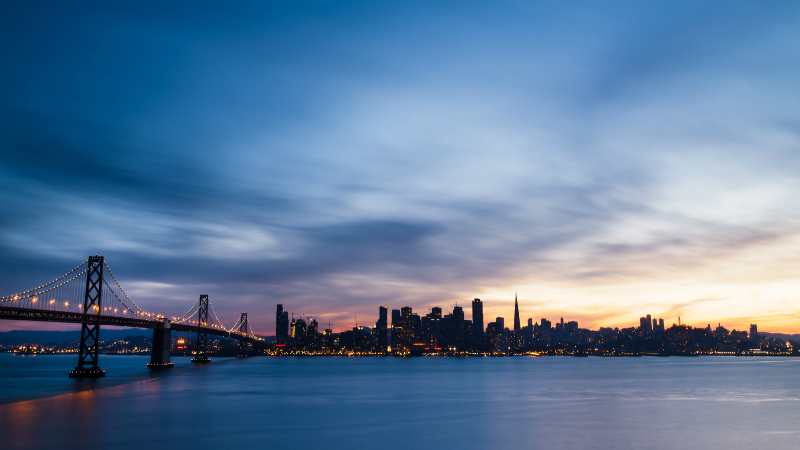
{"type": "Point", "coordinates": [215, 316]}
{"type": "Point", "coordinates": [119, 299]}
{"type": "Point", "coordinates": [15, 297]}
{"type": "Point", "coordinates": [125, 293]}
{"type": "Point", "coordinates": [44, 285]}
{"type": "Point", "coordinates": [183, 317]}
{"type": "Point", "coordinates": [37, 292]}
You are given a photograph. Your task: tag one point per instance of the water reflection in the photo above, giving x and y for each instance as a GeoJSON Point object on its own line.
{"type": "Point", "coordinates": [483, 403]}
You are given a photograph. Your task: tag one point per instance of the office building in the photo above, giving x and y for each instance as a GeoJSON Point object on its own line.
{"type": "Point", "coordinates": [281, 326]}
{"type": "Point", "coordinates": [477, 316]}
{"type": "Point", "coordinates": [381, 341]}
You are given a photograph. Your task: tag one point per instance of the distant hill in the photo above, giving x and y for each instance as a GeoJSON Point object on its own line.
{"type": "Point", "coordinates": [20, 337]}
{"type": "Point", "coordinates": [785, 337]}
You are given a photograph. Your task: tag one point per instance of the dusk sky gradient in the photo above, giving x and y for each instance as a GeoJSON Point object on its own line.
{"type": "Point", "coordinates": [604, 160]}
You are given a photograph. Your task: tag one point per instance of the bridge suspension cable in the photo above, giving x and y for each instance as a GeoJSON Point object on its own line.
{"type": "Point", "coordinates": [187, 316]}
{"type": "Point", "coordinates": [151, 316]}
{"type": "Point", "coordinates": [41, 289]}
{"type": "Point", "coordinates": [67, 294]}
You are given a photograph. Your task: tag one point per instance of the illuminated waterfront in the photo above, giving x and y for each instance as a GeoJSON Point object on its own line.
{"type": "Point", "coordinates": [552, 402]}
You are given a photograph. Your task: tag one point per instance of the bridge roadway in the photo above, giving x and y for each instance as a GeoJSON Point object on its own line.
{"type": "Point", "coordinates": [9, 313]}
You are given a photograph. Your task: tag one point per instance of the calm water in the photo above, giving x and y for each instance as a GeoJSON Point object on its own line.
{"type": "Point", "coordinates": [471, 403]}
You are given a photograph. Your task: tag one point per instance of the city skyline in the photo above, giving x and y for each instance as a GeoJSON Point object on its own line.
{"type": "Point", "coordinates": [439, 333]}
{"type": "Point", "coordinates": [601, 160]}
{"type": "Point", "coordinates": [516, 319]}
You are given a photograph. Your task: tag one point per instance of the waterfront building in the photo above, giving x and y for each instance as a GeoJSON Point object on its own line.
{"type": "Point", "coordinates": [477, 316]}
{"type": "Point", "coordinates": [281, 326]}
{"type": "Point", "coordinates": [327, 341]}
{"type": "Point", "coordinates": [299, 331]}
{"type": "Point", "coordinates": [381, 339]}
{"type": "Point", "coordinates": [397, 328]}
{"type": "Point", "coordinates": [311, 340]}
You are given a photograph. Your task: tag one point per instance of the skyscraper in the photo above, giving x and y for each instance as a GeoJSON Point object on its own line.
{"type": "Point", "coordinates": [381, 327]}
{"type": "Point", "coordinates": [753, 332]}
{"type": "Point", "coordinates": [477, 316]}
{"type": "Point", "coordinates": [408, 327]}
{"type": "Point", "coordinates": [397, 330]}
{"type": "Point", "coordinates": [517, 326]}
{"type": "Point", "coordinates": [281, 326]}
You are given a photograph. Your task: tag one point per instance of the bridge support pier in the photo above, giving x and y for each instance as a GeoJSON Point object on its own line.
{"type": "Point", "coordinates": [90, 328]}
{"type": "Point", "coordinates": [162, 347]}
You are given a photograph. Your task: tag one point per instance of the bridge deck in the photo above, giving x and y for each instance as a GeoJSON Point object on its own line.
{"type": "Point", "coordinates": [38, 315]}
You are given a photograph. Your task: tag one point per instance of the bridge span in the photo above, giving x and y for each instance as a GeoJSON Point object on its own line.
{"type": "Point", "coordinates": [85, 297]}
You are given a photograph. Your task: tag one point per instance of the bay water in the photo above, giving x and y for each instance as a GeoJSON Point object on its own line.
{"type": "Point", "coordinates": [403, 403]}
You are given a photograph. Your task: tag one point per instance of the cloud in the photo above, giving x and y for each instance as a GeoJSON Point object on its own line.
{"type": "Point", "coordinates": [420, 156]}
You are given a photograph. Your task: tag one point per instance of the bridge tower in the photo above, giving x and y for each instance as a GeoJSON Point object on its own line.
{"type": "Point", "coordinates": [202, 336]}
{"type": "Point", "coordinates": [90, 327]}
{"type": "Point", "coordinates": [243, 327]}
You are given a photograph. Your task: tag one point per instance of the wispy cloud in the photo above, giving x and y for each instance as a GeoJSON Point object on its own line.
{"type": "Point", "coordinates": [605, 161]}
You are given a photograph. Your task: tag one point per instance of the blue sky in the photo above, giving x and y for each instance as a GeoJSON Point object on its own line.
{"type": "Point", "coordinates": [604, 159]}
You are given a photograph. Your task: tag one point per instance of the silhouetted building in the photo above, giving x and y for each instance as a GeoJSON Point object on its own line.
{"type": "Point", "coordinates": [501, 323]}
{"type": "Point", "coordinates": [517, 326]}
{"type": "Point", "coordinates": [477, 316]}
{"type": "Point", "coordinates": [753, 332]}
{"type": "Point", "coordinates": [311, 341]}
{"type": "Point", "coordinates": [432, 329]}
{"type": "Point", "coordinates": [299, 333]}
{"type": "Point", "coordinates": [381, 341]}
{"type": "Point", "coordinates": [395, 316]}
{"type": "Point", "coordinates": [397, 328]}
{"type": "Point", "coordinates": [327, 341]}
{"type": "Point", "coordinates": [281, 326]}
{"type": "Point", "coordinates": [403, 331]}
{"type": "Point", "coordinates": [362, 339]}
{"type": "Point", "coordinates": [493, 331]}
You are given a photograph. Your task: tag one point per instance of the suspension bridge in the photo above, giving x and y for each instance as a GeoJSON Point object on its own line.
{"type": "Point", "coordinates": [84, 295]}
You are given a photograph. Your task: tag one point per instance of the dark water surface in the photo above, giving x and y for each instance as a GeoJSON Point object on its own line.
{"type": "Point", "coordinates": [394, 403]}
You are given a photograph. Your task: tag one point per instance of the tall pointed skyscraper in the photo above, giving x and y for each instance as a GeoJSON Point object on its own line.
{"type": "Point", "coordinates": [517, 328]}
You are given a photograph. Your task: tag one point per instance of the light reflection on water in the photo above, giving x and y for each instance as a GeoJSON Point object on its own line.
{"type": "Point", "coordinates": [549, 402]}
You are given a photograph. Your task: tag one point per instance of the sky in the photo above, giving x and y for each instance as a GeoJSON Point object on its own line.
{"type": "Point", "coordinates": [602, 160]}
